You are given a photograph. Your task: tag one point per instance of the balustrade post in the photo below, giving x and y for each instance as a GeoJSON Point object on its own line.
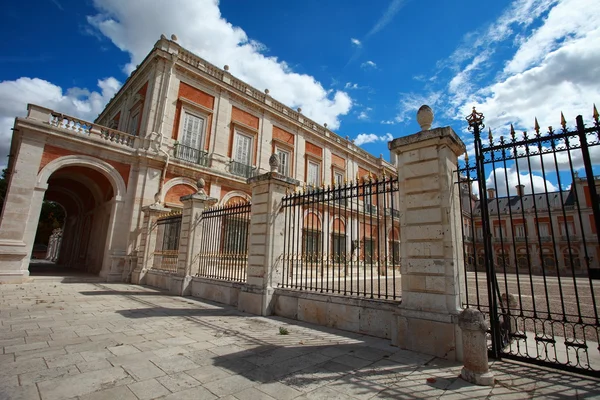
{"type": "Point", "coordinates": [431, 248]}
{"type": "Point", "coordinates": [190, 239]}
{"type": "Point", "coordinates": [266, 239]}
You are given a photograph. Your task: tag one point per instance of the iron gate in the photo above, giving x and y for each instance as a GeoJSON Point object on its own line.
{"type": "Point", "coordinates": [531, 212]}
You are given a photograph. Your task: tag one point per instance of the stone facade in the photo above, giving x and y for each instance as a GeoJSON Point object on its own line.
{"type": "Point", "coordinates": [177, 118]}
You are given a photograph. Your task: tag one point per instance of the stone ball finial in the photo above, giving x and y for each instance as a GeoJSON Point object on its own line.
{"type": "Point", "coordinates": [425, 117]}
{"type": "Point", "coordinates": [201, 183]}
{"type": "Point", "coordinates": [299, 110]}
{"type": "Point", "coordinates": [325, 124]}
{"type": "Point", "coordinates": [226, 67]}
{"type": "Point", "coordinates": [274, 162]}
{"type": "Point", "coordinates": [266, 91]}
{"type": "Point", "coordinates": [174, 37]}
{"type": "Point", "coordinates": [162, 36]}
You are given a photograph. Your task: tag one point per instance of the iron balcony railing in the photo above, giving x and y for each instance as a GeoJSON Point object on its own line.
{"type": "Point", "coordinates": [190, 154]}
{"type": "Point", "coordinates": [391, 212]}
{"type": "Point", "coordinates": [370, 209]}
{"type": "Point", "coordinates": [239, 169]}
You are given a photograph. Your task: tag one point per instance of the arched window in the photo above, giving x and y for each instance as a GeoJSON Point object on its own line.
{"type": "Point", "coordinates": [571, 258]}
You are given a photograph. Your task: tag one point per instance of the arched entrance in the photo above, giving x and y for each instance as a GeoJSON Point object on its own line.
{"type": "Point", "coordinates": [91, 192]}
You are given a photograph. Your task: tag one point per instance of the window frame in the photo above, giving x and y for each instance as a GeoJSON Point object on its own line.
{"type": "Point", "coordinates": [203, 133]}
{"type": "Point", "coordinates": [280, 149]}
{"type": "Point", "coordinates": [250, 158]}
{"type": "Point", "coordinates": [318, 163]}
{"type": "Point", "coordinates": [135, 111]}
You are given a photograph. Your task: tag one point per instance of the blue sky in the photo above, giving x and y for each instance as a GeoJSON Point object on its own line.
{"type": "Point", "coordinates": [363, 67]}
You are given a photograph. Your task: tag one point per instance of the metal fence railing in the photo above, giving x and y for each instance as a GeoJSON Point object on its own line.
{"type": "Point", "coordinates": [340, 240]}
{"type": "Point", "coordinates": [167, 246]}
{"type": "Point", "coordinates": [224, 251]}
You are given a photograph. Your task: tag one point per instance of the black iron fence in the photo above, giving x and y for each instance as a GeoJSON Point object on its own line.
{"type": "Point", "coordinates": [224, 251]}
{"type": "Point", "coordinates": [167, 246]}
{"type": "Point", "coordinates": [191, 154]}
{"type": "Point", "coordinates": [339, 240]}
{"type": "Point", "coordinates": [531, 212]}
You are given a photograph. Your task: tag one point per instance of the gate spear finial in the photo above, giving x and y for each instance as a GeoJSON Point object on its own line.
{"type": "Point", "coordinates": [563, 121]}
{"type": "Point", "coordinates": [596, 114]}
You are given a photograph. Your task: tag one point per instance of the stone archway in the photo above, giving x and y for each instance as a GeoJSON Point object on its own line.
{"type": "Point", "coordinates": [94, 237]}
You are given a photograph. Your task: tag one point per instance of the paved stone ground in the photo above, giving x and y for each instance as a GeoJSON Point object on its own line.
{"type": "Point", "coordinates": [95, 340]}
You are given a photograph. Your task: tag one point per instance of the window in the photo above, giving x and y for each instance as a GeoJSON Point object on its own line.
{"type": "Point", "coordinates": [171, 230]}
{"type": "Point", "coordinates": [338, 179]}
{"type": "Point", "coordinates": [191, 139]}
{"type": "Point", "coordinates": [369, 245]}
{"type": "Point", "coordinates": [311, 245]}
{"type": "Point", "coordinates": [522, 262]}
{"type": "Point", "coordinates": [567, 229]}
{"type": "Point", "coordinates": [543, 230]}
{"type": "Point", "coordinates": [395, 250]}
{"type": "Point", "coordinates": [339, 247]}
{"type": "Point", "coordinates": [520, 231]}
{"type": "Point", "coordinates": [134, 120]}
{"type": "Point", "coordinates": [241, 164]}
{"type": "Point", "coordinates": [242, 149]}
{"type": "Point", "coordinates": [503, 261]}
{"type": "Point", "coordinates": [284, 159]}
{"type": "Point", "coordinates": [236, 235]}
{"type": "Point", "coordinates": [571, 258]}
{"type": "Point", "coordinates": [314, 174]}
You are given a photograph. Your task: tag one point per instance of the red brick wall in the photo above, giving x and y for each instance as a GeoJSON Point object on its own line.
{"type": "Point", "coordinates": [173, 195]}
{"type": "Point", "coordinates": [282, 135]}
{"type": "Point", "coordinates": [244, 117]}
{"type": "Point", "coordinates": [314, 149]}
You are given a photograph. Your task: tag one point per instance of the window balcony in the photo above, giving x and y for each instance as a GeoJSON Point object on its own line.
{"type": "Point", "coordinates": [190, 154]}
{"type": "Point", "coordinates": [392, 212]}
{"type": "Point", "coordinates": [243, 170]}
{"type": "Point", "coordinates": [370, 209]}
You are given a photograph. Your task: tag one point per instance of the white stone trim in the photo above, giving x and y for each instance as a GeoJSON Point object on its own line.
{"type": "Point", "coordinates": [232, 194]}
{"type": "Point", "coordinates": [101, 166]}
{"type": "Point", "coordinates": [174, 182]}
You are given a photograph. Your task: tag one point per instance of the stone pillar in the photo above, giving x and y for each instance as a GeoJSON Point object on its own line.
{"type": "Point", "coordinates": [148, 242]}
{"type": "Point", "coordinates": [266, 240]}
{"type": "Point", "coordinates": [431, 246]}
{"type": "Point", "coordinates": [475, 354]}
{"type": "Point", "coordinates": [23, 202]}
{"type": "Point", "coordinates": [190, 239]}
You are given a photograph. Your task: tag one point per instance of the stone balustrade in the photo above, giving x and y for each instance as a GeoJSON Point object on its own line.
{"type": "Point", "coordinates": [82, 128]}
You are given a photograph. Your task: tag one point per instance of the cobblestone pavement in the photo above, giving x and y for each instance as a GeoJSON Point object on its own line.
{"type": "Point", "coordinates": [113, 341]}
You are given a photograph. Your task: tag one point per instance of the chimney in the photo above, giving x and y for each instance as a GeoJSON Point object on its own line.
{"type": "Point", "coordinates": [520, 190]}
{"type": "Point", "coordinates": [491, 194]}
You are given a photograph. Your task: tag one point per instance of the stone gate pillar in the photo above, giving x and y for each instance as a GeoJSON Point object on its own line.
{"type": "Point", "coordinates": [147, 242]}
{"type": "Point", "coordinates": [431, 248]}
{"type": "Point", "coordinates": [190, 239]}
{"type": "Point", "coordinates": [265, 239]}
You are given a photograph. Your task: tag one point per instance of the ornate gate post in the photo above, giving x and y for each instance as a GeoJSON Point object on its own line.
{"type": "Point", "coordinates": [266, 239]}
{"type": "Point", "coordinates": [190, 239]}
{"type": "Point", "coordinates": [431, 249]}
{"type": "Point", "coordinates": [147, 242]}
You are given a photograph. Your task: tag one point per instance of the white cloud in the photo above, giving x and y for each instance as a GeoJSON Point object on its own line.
{"type": "Point", "coordinates": [364, 114]}
{"type": "Point", "coordinates": [78, 102]}
{"type": "Point", "coordinates": [355, 42]}
{"type": "Point", "coordinates": [387, 16]}
{"type": "Point", "coordinates": [133, 27]}
{"type": "Point", "coordinates": [350, 85]}
{"type": "Point", "coordinates": [368, 64]}
{"type": "Point", "coordinates": [506, 180]}
{"type": "Point", "coordinates": [389, 122]}
{"type": "Point", "coordinates": [410, 103]}
{"type": "Point", "coordinates": [364, 138]}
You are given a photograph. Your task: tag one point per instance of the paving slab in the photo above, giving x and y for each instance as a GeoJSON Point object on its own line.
{"type": "Point", "coordinates": [100, 341]}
